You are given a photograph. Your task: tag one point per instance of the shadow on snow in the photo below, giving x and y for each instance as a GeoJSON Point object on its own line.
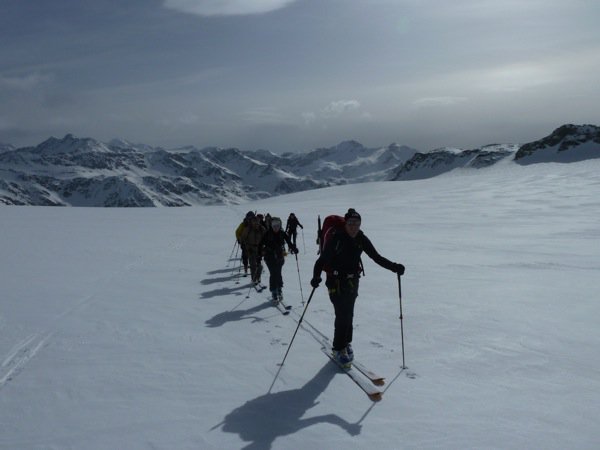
{"type": "Point", "coordinates": [238, 314]}
{"type": "Point", "coordinates": [225, 291]}
{"type": "Point", "coordinates": [262, 420]}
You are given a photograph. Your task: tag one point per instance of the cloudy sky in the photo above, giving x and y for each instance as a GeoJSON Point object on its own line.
{"type": "Point", "coordinates": [293, 75]}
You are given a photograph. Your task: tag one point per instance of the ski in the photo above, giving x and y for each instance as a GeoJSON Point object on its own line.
{"type": "Point", "coordinates": [287, 307]}
{"type": "Point", "coordinates": [372, 376]}
{"type": "Point", "coordinates": [375, 379]}
{"type": "Point", "coordinates": [372, 392]}
{"type": "Point", "coordinates": [281, 308]}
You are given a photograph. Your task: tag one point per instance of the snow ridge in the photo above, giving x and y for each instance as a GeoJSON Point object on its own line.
{"type": "Point", "coordinates": [84, 172]}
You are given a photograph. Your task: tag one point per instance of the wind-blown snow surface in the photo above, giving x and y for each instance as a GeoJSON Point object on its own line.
{"type": "Point", "coordinates": [125, 328]}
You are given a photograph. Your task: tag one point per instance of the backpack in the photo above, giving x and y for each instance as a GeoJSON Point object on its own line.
{"type": "Point", "coordinates": [331, 225]}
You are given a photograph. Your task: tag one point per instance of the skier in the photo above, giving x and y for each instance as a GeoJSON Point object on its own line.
{"type": "Point", "coordinates": [272, 248]}
{"type": "Point", "coordinates": [291, 227]}
{"type": "Point", "coordinates": [251, 237]}
{"type": "Point", "coordinates": [341, 255]}
{"type": "Point", "coordinates": [238, 235]}
{"type": "Point", "coordinates": [261, 220]}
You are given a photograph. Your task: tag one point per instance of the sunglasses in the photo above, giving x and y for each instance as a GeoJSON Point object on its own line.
{"type": "Point", "coordinates": [353, 222]}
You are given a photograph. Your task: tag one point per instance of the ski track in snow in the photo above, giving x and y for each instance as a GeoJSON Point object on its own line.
{"type": "Point", "coordinates": [24, 351]}
{"type": "Point", "coordinates": [20, 355]}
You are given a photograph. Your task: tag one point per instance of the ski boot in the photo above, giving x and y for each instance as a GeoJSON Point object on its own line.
{"type": "Point", "coordinates": [350, 352]}
{"type": "Point", "coordinates": [341, 356]}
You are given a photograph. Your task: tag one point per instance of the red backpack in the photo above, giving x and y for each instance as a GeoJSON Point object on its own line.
{"type": "Point", "coordinates": [331, 225]}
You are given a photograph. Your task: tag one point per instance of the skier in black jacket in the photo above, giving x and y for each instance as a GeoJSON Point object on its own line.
{"type": "Point", "coordinates": [291, 227]}
{"type": "Point", "coordinates": [341, 257]}
{"type": "Point", "coordinates": [272, 248]}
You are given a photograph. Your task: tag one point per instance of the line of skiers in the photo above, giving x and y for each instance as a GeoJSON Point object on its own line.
{"type": "Point", "coordinates": [262, 237]}
{"type": "Point", "coordinates": [342, 244]}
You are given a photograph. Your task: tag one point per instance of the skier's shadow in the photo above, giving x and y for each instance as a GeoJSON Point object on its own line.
{"type": "Point", "coordinates": [225, 291]}
{"type": "Point", "coordinates": [225, 270]}
{"type": "Point", "coordinates": [231, 274]}
{"type": "Point", "coordinates": [219, 279]}
{"type": "Point", "coordinates": [262, 420]}
{"type": "Point", "coordinates": [237, 314]}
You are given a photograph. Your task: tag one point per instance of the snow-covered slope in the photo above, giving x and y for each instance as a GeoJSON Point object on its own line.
{"type": "Point", "coordinates": [565, 144]}
{"type": "Point", "coordinates": [126, 328]}
{"type": "Point", "coordinates": [349, 162]}
{"type": "Point", "coordinates": [436, 162]}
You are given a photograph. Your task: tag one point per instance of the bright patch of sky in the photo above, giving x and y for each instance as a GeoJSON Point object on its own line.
{"type": "Point", "coordinates": [291, 75]}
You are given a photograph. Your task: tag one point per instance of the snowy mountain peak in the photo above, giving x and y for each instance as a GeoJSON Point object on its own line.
{"type": "Point", "coordinates": [445, 159]}
{"type": "Point", "coordinates": [6, 147]}
{"type": "Point", "coordinates": [350, 145]}
{"type": "Point", "coordinates": [567, 143]}
{"type": "Point", "coordinates": [70, 144]}
{"type": "Point", "coordinates": [85, 172]}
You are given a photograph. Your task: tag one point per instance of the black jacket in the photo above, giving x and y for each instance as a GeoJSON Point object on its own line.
{"type": "Point", "coordinates": [292, 224]}
{"type": "Point", "coordinates": [272, 244]}
{"type": "Point", "coordinates": [342, 255]}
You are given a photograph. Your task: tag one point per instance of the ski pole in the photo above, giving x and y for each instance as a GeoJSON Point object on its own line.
{"type": "Point", "coordinates": [231, 255]}
{"type": "Point", "coordinates": [250, 289]}
{"type": "Point", "coordinates": [240, 266]}
{"type": "Point", "coordinates": [299, 323]}
{"type": "Point", "coordinates": [401, 319]}
{"type": "Point", "coordinates": [299, 280]}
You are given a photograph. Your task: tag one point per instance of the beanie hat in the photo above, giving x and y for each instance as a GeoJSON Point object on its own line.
{"type": "Point", "coordinates": [352, 214]}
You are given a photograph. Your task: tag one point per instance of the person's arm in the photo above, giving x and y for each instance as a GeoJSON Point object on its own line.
{"type": "Point", "coordinates": [369, 249]}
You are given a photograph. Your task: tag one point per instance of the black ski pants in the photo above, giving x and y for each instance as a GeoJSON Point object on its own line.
{"type": "Point", "coordinates": [254, 258]}
{"type": "Point", "coordinates": [275, 265]}
{"type": "Point", "coordinates": [293, 234]}
{"type": "Point", "coordinates": [342, 293]}
{"type": "Point", "coordinates": [244, 256]}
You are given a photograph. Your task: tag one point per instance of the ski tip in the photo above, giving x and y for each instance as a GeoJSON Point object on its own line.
{"type": "Point", "coordinates": [376, 397]}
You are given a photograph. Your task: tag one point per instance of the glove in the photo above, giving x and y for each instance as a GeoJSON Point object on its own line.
{"type": "Point", "coordinates": [398, 268]}
{"type": "Point", "coordinates": [294, 250]}
{"type": "Point", "coordinates": [315, 282]}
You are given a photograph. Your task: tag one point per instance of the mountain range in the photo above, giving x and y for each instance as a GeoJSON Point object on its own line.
{"type": "Point", "coordinates": [85, 172]}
